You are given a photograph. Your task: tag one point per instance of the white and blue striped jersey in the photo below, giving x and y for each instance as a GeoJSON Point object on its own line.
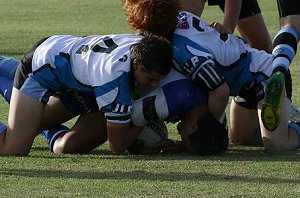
{"type": "Point", "coordinates": [209, 58]}
{"type": "Point", "coordinates": [96, 64]}
{"type": "Point", "coordinates": [175, 96]}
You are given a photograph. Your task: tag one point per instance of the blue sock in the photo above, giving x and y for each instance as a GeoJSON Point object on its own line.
{"type": "Point", "coordinates": [284, 47]}
{"type": "Point", "coordinates": [2, 128]}
{"type": "Point", "coordinates": [296, 127]}
{"type": "Point", "coordinates": [52, 134]}
{"type": "Point", "coordinates": [6, 87]}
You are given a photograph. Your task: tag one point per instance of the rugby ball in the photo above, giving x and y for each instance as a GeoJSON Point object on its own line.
{"type": "Point", "coordinates": [149, 141]}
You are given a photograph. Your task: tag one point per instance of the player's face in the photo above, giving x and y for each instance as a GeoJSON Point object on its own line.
{"type": "Point", "coordinates": [189, 123]}
{"type": "Point", "coordinates": [147, 79]}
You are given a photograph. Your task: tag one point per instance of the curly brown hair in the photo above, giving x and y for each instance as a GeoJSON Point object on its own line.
{"type": "Point", "coordinates": [158, 17]}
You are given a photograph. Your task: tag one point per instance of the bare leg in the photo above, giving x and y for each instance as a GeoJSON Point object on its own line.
{"type": "Point", "coordinates": [254, 30]}
{"type": "Point", "coordinates": [24, 119]}
{"type": "Point", "coordinates": [51, 117]}
{"type": "Point", "coordinates": [243, 126]}
{"type": "Point", "coordinates": [88, 133]}
{"type": "Point", "coordinates": [283, 138]}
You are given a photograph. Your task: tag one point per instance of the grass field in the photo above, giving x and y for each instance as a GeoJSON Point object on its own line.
{"type": "Point", "coordinates": [241, 172]}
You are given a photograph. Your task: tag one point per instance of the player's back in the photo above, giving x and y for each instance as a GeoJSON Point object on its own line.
{"type": "Point", "coordinates": [196, 44]}
{"type": "Point", "coordinates": [94, 60]}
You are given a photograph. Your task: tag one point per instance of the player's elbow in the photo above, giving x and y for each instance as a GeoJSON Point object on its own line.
{"type": "Point", "coordinates": [222, 93]}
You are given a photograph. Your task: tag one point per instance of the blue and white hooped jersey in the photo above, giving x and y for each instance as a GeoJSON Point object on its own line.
{"type": "Point", "coordinates": [175, 96]}
{"type": "Point", "coordinates": [97, 64]}
{"type": "Point", "coordinates": [206, 56]}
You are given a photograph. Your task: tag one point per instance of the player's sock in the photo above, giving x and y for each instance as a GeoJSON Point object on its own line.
{"type": "Point", "coordinates": [284, 48]}
{"type": "Point", "coordinates": [6, 84]}
{"type": "Point", "coordinates": [2, 128]}
{"type": "Point", "coordinates": [52, 134]}
{"type": "Point", "coordinates": [296, 127]}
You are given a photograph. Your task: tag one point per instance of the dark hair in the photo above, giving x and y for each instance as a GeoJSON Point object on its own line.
{"type": "Point", "coordinates": [154, 54]}
{"type": "Point", "coordinates": [158, 17]}
{"type": "Point", "coordinates": [211, 138]}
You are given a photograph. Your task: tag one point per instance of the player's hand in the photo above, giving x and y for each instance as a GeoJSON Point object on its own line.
{"type": "Point", "coordinates": [221, 28]}
{"type": "Point", "coordinates": [173, 146]}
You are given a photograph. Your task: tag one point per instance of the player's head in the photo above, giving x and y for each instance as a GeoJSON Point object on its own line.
{"type": "Point", "coordinates": [151, 59]}
{"type": "Point", "coordinates": [203, 134]}
{"type": "Point", "coordinates": [158, 17]}
{"type": "Point", "coordinates": [211, 137]}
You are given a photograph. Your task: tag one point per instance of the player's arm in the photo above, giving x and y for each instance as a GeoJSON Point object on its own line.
{"type": "Point", "coordinates": [232, 11]}
{"type": "Point", "coordinates": [202, 70]}
{"type": "Point", "coordinates": [210, 79]}
{"type": "Point", "coordinates": [120, 136]}
{"type": "Point", "coordinates": [117, 109]}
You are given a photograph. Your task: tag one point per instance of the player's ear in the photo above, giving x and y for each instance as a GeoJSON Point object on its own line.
{"type": "Point", "coordinates": [135, 65]}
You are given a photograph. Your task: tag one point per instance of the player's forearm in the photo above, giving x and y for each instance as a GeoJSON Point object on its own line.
{"type": "Point", "coordinates": [120, 136]}
{"type": "Point", "coordinates": [231, 13]}
{"type": "Point", "coordinates": [218, 100]}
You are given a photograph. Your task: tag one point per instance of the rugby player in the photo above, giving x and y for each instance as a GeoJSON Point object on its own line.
{"type": "Point", "coordinates": [212, 59]}
{"type": "Point", "coordinates": [102, 69]}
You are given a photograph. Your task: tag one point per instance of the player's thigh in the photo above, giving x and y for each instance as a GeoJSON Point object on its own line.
{"type": "Point", "coordinates": [55, 113]}
{"type": "Point", "coordinates": [88, 133]}
{"type": "Point", "coordinates": [291, 21]}
{"type": "Point", "coordinates": [243, 125]}
{"type": "Point", "coordinates": [254, 30]}
{"type": "Point", "coordinates": [23, 121]}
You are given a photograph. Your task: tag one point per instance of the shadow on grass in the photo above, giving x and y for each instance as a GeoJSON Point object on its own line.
{"type": "Point", "coordinates": [11, 53]}
{"type": "Point", "coordinates": [234, 153]}
{"type": "Point", "coordinates": [144, 175]}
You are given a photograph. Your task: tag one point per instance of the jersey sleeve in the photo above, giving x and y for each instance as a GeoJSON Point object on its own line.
{"type": "Point", "coordinates": [114, 99]}
{"type": "Point", "coordinates": [168, 103]}
{"type": "Point", "coordinates": [196, 63]}
{"type": "Point", "coordinates": [153, 106]}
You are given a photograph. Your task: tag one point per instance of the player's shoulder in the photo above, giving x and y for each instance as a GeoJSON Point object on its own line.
{"type": "Point", "coordinates": [186, 20]}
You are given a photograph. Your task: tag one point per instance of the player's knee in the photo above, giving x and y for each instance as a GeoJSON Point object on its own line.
{"type": "Point", "coordinates": [62, 145]}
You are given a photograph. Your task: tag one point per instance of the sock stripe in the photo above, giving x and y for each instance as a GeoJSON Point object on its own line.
{"type": "Point", "coordinates": [284, 50]}
{"type": "Point", "coordinates": [286, 36]}
{"type": "Point", "coordinates": [289, 30]}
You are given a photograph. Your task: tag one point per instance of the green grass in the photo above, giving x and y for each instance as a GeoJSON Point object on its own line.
{"type": "Point", "coordinates": [241, 172]}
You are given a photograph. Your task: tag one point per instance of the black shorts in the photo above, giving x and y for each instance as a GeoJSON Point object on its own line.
{"type": "Point", "coordinates": [249, 97]}
{"type": "Point", "coordinates": [249, 7]}
{"type": "Point", "coordinates": [288, 7]}
{"type": "Point", "coordinates": [25, 66]}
